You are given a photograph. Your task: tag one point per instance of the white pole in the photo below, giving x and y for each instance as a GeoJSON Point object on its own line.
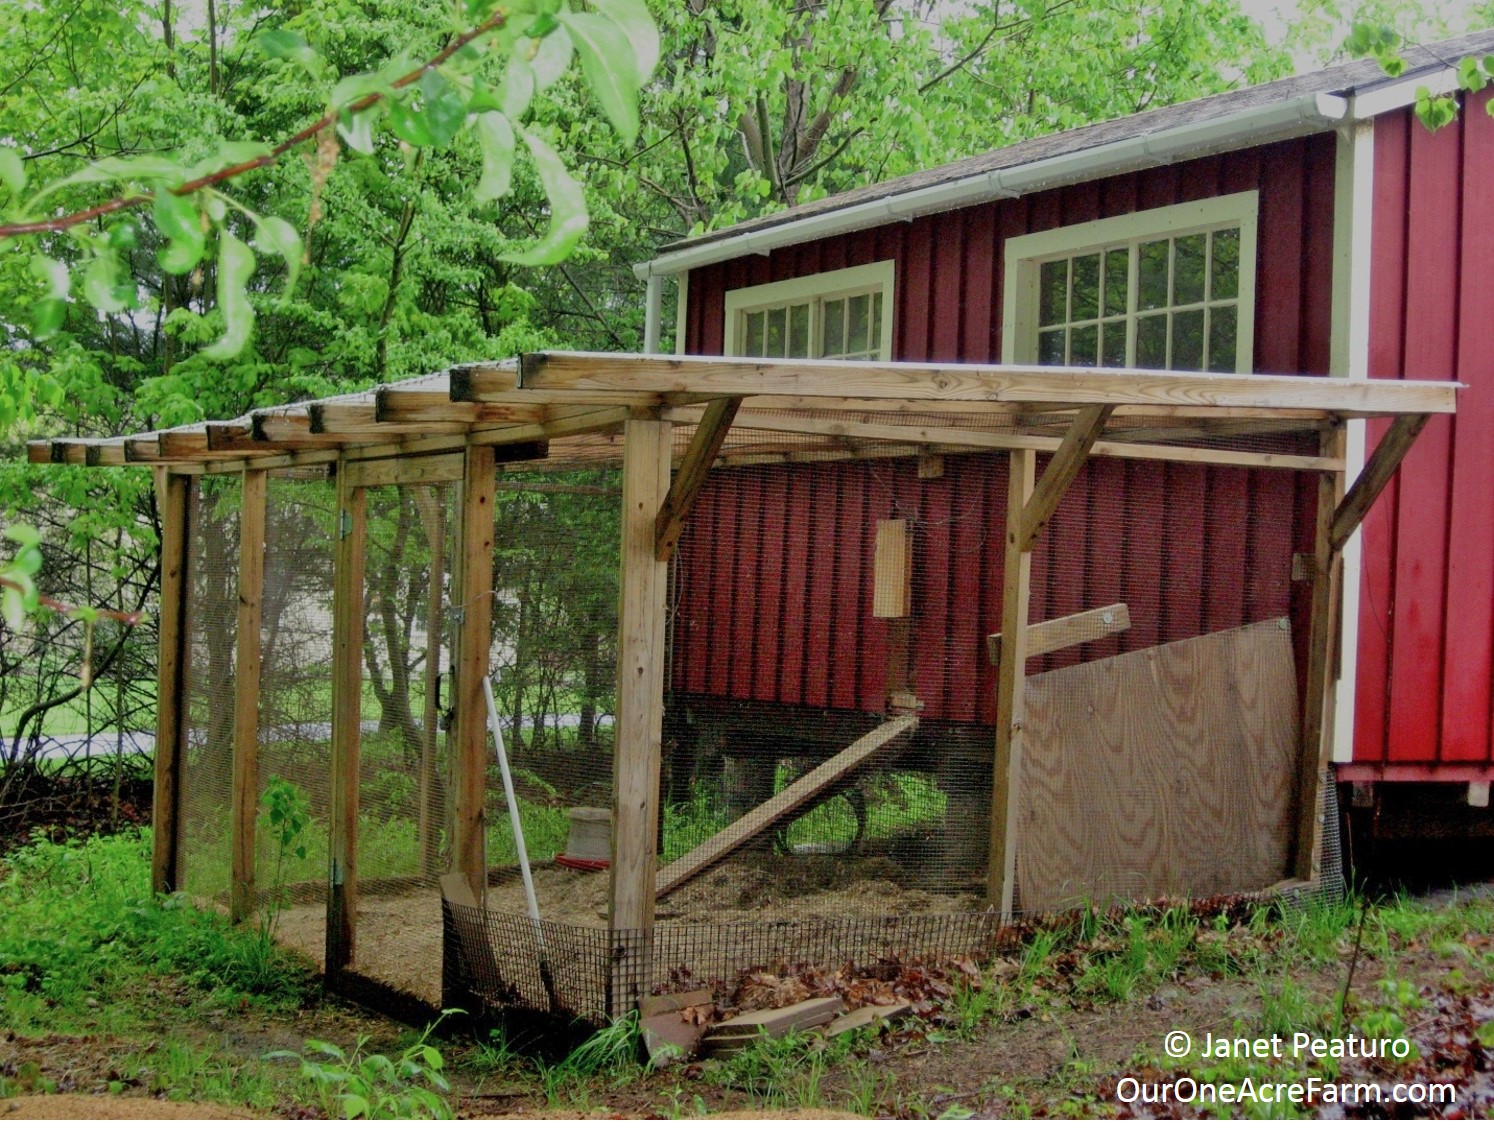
{"type": "Point", "coordinates": [513, 802]}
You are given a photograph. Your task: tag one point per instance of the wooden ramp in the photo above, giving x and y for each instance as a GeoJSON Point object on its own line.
{"type": "Point", "coordinates": [782, 807]}
{"type": "Point", "coordinates": [1163, 772]}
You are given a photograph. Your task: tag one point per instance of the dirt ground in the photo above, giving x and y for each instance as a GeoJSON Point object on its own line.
{"type": "Point", "coordinates": [399, 935]}
{"type": "Point", "coordinates": [111, 1107]}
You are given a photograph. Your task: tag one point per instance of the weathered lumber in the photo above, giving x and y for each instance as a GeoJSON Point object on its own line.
{"type": "Point", "coordinates": [797, 795]}
{"type": "Point", "coordinates": [878, 1015]}
{"type": "Point", "coordinates": [1373, 478]}
{"type": "Point", "coordinates": [1068, 630]}
{"type": "Point", "coordinates": [749, 1027]}
{"type": "Point", "coordinates": [416, 469]}
{"type": "Point", "coordinates": [641, 633]}
{"type": "Point", "coordinates": [244, 807]}
{"type": "Point", "coordinates": [473, 649]}
{"type": "Point", "coordinates": [1011, 677]}
{"type": "Point", "coordinates": [173, 502]}
{"type": "Point", "coordinates": [728, 377]}
{"type": "Point", "coordinates": [705, 446]}
{"type": "Point", "coordinates": [347, 687]}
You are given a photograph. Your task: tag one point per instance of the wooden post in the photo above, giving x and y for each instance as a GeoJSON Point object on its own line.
{"type": "Point", "coordinates": [347, 722]}
{"type": "Point", "coordinates": [435, 528]}
{"type": "Point", "coordinates": [474, 608]}
{"type": "Point", "coordinates": [1010, 681]}
{"type": "Point", "coordinates": [1318, 699]}
{"type": "Point", "coordinates": [245, 802]}
{"type": "Point", "coordinates": [173, 501]}
{"type": "Point", "coordinates": [640, 711]}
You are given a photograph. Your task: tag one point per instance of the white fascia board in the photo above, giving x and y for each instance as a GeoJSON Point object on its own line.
{"type": "Point", "coordinates": [1306, 114]}
{"type": "Point", "coordinates": [1401, 94]}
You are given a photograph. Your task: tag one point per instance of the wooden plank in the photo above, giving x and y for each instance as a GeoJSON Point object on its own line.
{"type": "Point", "coordinates": [1165, 772]}
{"type": "Point", "coordinates": [347, 724]}
{"type": "Point", "coordinates": [705, 446]}
{"type": "Point", "coordinates": [471, 383]}
{"type": "Point", "coordinates": [729, 377]}
{"type": "Point", "coordinates": [39, 452]}
{"type": "Point", "coordinates": [837, 428]}
{"type": "Point", "coordinates": [473, 648]}
{"type": "Point", "coordinates": [569, 425]}
{"type": "Point", "coordinates": [1016, 592]}
{"type": "Point", "coordinates": [879, 1016]}
{"type": "Point", "coordinates": [244, 807]}
{"type": "Point", "coordinates": [360, 419]}
{"type": "Point", "coordinates": [1068, 630]}
{"type": "Point", "coordinates": [1323, 635]}
{"type": "Point", "coordinates": [892, 570]}
{"type": "Point", "coordinates": [173, 505]}
{"type": "Point", "coordinates": [431, 504]}
{"type": "Point", "coordinates": [802, 792]}
{"type": "Point", "coordinates": [417, 469]}
{"type": "Point", "coordinates": [1061, 471]}
{"type": "Point", "coordinates": [778, 1022]}
{"type": "Point", "coordinates": [639, 732]}
{"type": "Point", "coordinates": [1373, 478]}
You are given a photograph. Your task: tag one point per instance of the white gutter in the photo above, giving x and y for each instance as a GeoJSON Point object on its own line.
{"type": "Point", "coordinates": [1306, 114]}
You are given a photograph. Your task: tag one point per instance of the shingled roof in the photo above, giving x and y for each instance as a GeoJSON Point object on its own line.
{"type": "Point", "coordinates": [1345, 80]}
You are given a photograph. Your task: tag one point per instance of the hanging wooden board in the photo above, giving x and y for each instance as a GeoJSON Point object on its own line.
{"type": "Point", "coordinates": [1163, 772]}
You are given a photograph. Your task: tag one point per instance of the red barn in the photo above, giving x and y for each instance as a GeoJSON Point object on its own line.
{"type": "Point", "coordinates": [1308, 226]}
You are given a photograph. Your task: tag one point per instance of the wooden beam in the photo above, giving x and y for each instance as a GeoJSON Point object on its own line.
{"type": "Point", "coordinates": [1011, 678]}
{"type": "Point", "coordinates": [1322, 637]}
{"type": "Point", "coordinates": [472, 383]}
{"type": "Point", "coordinates": [568, 425]}
{"type": "Point", "coordinates": [431, 504]}
{"type": "Point", "coordinates": [971, 438]}
{"type": "Point", "coordinates": [173, 505]}
{"type": "Point", "coordinates": [417, 469]}
{"type": "Point", "coordinates": [427, 407]}
{"type": "Point", "coordinates": [784, 805]}
{"type": "Point", "coordinates": [474, 602]}
{"type": "Point", "coordinates": [1060, 473]}
{"type": "Point", "coordinates": [1373, 478]}
{"type": "Point", "coordinates": [361, 419]}
{"type": "Point", "coordinates": [710, 435]}
{"type": "Point", "coordinates": [639, 730]}
{"type": "Point", "coordinates": [244, 805]}
{"type": "Point", "coordinates": [39, 452]}
{"type": "Point", "coordinates": [1069, 630]}
{"type": "Point", "coordinates": [347, 723]}
{"type": "Point", "coordinates": [983, 383]}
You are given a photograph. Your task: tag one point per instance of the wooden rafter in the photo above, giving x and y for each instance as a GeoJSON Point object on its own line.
{"type": "Point", "coordinates": [1060, 473]}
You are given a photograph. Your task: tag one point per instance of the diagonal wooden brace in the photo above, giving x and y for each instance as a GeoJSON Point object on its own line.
{"type": "Point", "coordinates": [1060, 473]}
{"type": "Point", "coordinates": [691, 478]}
{"type": "Point", "coordinates": [1374, 477]}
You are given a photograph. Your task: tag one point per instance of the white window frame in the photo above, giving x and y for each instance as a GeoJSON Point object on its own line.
{"type": "Point", "coordinates": [1025, 254]}
{"type": "Point", "coordinates": [817, 289]}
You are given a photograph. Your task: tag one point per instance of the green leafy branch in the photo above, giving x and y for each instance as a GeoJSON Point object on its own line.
{"type": "Point", "coordinates": [19, 598]}
{"type": "Point", "coordinates": [1384, 44]}
{"type": "Point", "coordinates": [424, 104]}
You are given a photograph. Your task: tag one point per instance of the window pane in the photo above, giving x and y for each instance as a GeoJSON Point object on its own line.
{"type": "Point", "coordinates": [876, 324]}
{"type": "Point", "coordinates": [1223, 325]}
{"type": "Point", "coordinates": [834, 334]}
{"type": "Point", "coordinates": [1084, 345]}
{"type": "Point", "coordinates": [1086, 301]}
{"type": "Point", "coordinates": [1113, 343]}
{"type": "Point", "coordinates": [753, 340]}
{"type": "Point", "coordinates": [799, 332]}
{"type": "Point", "coordinates": [1117, 280]}
{"type": "Point", "coordinates": [1188, 340]}
{"type": "Point", "coordinates": [1151, 341]}
{"type": "Point", "coordinates": [777, 333]}
{"type": "Point", "coordinates": [858, 338]}
{"type": "Point", "coordinates": [1225, 284]}
{"type": "Point", "coordinates": [1050, 348]}
{"type": "Point", "coordinates": [1053, 287]}
{"type": "Point", "coordinates": [1152, 272]}
{"type": "Point", "coordinates": [1188, 265]}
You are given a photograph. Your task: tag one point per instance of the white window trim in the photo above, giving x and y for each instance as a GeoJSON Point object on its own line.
{"type": "Point", "coordinates": [1023, 254]}
{"type": "Point", "coordinates": [821, 286]}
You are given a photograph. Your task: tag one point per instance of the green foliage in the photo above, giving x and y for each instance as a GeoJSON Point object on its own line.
{"type": "Point", "coordinates": [363, 1085]}
{"type": "Point", "coordinates": [19, 598]}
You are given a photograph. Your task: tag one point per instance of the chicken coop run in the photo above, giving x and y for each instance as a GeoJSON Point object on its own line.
{"type": "Point", "coordinates": [791, 662]}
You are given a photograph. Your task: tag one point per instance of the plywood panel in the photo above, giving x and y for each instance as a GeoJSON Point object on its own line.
{"type": "Point", "coordinates": [1161, 772]}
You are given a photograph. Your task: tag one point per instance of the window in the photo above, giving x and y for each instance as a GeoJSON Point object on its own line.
{"type": "Point", "coordinates": [1163, 289]}
{"type": "Point", "coordinates": [845, 314]}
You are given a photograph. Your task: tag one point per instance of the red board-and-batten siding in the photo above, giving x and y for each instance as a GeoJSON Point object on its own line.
{"type": "Point", "coordinates": [775, 577]}
{"type": "Point", "coordinates": [1426, 631]}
